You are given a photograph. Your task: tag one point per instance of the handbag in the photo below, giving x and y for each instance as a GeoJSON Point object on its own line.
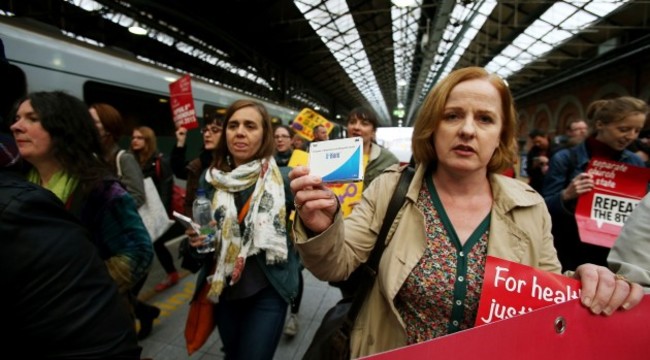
{"type": "Point", "coordinates": [200, 321]}
{"type": "Point", "coordinates": [332, 338]}
{"type": "Point", "coordinates": [152, 212]}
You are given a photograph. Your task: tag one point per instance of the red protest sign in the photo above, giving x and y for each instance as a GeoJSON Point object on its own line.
{"type": "Point", "coordinates": [511, 289]}
{"type": "Point", "coordinates": [601, 213]}
{"type": "Point", "coordinates": [182, 103]}
{"type": "Point", "coordinates": [561, 331]}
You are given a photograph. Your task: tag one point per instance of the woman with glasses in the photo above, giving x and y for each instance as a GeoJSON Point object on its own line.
{"type": "Point", "coordinates": [191, 170]}
{"type": "Point", "coordinates": [283, 148]}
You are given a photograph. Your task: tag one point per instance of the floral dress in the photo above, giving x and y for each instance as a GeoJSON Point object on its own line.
{"type": "Point", "coordinates": [441, 294]}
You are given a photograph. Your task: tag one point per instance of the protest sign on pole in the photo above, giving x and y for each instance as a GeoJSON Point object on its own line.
{"type": "Point", "coordinates": [182, 103]}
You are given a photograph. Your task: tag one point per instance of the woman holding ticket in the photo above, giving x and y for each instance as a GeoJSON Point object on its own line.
{"type": "Point", "coordinates": [616, 123]}
{"type": "Point", "coordinates": [458, 210]}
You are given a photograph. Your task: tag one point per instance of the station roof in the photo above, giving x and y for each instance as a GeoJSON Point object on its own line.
{"type": "Point", "coordinates": [334, 55]}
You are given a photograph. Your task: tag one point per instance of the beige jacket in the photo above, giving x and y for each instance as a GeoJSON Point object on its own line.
{"type": "Point", "coordinates": [520, 231]}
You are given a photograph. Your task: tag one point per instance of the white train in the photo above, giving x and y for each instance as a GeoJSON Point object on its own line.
{"type": "Point", "coordinates": [52, 61]}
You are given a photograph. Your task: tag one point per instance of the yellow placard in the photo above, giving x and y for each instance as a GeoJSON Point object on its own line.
{"type": "Point", "coordinates": [349, 194]}
{"type": "Point", "coordinates": [305, 122]}
{"type": "Point", "coordinates": [298, 157]}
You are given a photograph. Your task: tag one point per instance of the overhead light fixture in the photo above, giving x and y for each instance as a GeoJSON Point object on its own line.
{"type": "Point", "coordinates": [404, 3]}
{"type": "Point", "coordinates": [137, 29]}
{"type": "Point", "coordinates": [401, 82]}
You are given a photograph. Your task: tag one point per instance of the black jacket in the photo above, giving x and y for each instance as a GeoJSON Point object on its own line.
{"type": "Point", "coordinates": [59, 300]}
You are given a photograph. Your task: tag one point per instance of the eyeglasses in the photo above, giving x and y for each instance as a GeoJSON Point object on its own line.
{"type": "Point", "coordinates": [212, 129]}
{"type": "Point", "coordinates": [277, 137]}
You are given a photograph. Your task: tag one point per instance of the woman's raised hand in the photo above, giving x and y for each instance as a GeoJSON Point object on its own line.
{"type": "Point", "coordinates": [315, 204]}
{"type": "Point", "coordinates": [181, 136]}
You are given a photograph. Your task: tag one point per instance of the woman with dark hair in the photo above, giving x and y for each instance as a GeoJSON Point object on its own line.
{"type": "Point", "coordinates": [63, 303]}
{"type": "Point", "coordinates": [458, 210]}
{"type": "Point", "coordinates": [56, 135]}
{"type": "Point", "coordinates": [253, 274]}
{"type": "Point", "coordinates": [363, 122]}
{"type": "Point", "coordinates": [616, 123]}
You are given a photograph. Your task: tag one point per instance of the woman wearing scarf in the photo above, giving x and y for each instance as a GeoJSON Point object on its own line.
{"type": "Point", "coordinates": [57, 136]}
{"type": "Point", "coordinates": [253, 274]}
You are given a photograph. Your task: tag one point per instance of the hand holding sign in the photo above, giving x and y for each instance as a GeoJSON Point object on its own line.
{"type": "Point", "coordinates": [580, 185]}
{"type": "Point", "coordinates": [613, 191]}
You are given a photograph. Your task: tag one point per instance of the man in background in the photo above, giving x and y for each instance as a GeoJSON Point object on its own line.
{"type": "Point", "coordinates": [575, 132]}
{"type": "Point", "coordinates": [538, 158]}
{"type": "Point", "coordinates": [320, 133]}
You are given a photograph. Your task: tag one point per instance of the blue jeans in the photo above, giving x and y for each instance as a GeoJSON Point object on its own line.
{"type": "Point", "coordinates": [251, 328]}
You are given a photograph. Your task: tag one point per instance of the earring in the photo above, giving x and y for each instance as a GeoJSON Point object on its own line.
{"type": "Point", "coordinates": [229, 160]}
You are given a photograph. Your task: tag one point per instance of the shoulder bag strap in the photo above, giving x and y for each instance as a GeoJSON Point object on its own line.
{"type": "Point", "coordinates": [158, 172]}
{"type": "Point", "coordinates": [370, 267]}
{"type": "Point", "coordinates": [117, 163]}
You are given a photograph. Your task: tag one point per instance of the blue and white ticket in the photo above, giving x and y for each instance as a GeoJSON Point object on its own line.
{"type": "Point", "coordinates": [339, 160]}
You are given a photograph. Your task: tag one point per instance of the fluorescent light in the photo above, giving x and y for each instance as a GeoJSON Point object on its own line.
{"type": "Point", "coordinates": [137, 30]}
{"type": "Point", "coordinates": [404, 3]}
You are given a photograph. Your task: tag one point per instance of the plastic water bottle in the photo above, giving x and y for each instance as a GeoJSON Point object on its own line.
{"type": "Point", "coordinates": [202, 215]}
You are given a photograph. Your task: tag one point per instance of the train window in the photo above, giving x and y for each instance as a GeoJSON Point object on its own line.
{"type": "Point", "coordinates": [138, 108]}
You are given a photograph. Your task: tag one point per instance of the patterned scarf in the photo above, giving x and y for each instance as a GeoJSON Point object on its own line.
{"type": "Point", "coordinates": [264, 224]}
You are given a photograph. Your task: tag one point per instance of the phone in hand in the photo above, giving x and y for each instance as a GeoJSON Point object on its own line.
{"type": "Point", "coordinates": [187, 222]}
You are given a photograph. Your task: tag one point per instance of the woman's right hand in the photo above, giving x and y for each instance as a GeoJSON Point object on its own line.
{"type": "Point", "coordinates": [181, 136]}
{"type": "Point", "coordinates": [315, 204]}
{"type": "Point", "coordinates": [195, 239]}
{"type": "Point", "coordinates": [581, 184]}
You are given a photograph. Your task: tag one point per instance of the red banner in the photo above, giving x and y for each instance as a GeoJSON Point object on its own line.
{"type": "Point", "coordinates": [511, 289]}
{"type": "Point", "coordinates": [182, 103]}
{"type": "Point", "coordinates": [601, 213]}
{"type": "Point", "coordinates": [562, 331]}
